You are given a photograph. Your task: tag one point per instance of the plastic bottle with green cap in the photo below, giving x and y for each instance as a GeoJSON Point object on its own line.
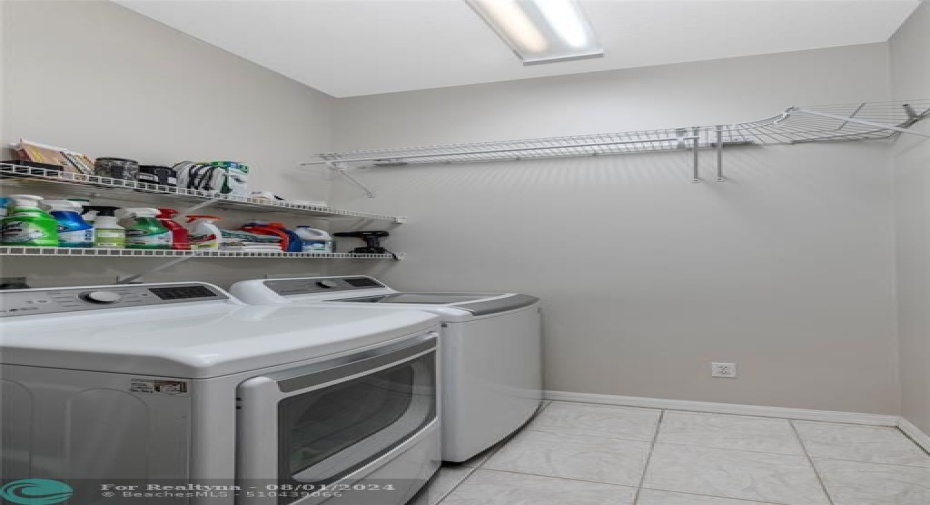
{"type": "Point", "coordinates": [28, 225]}
{"type": "Point", "coordinates": [144, 230]}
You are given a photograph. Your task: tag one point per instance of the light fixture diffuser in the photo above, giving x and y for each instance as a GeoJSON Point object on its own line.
{"type": "Point", "coordinates": [541, 31]}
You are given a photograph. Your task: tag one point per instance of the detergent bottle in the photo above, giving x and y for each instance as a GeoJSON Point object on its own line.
{"type": "Point", "coordinates": [180, 238]}
{"type": "Point", "coordinates": [28, 225]}
{"type": "Point", "coordinates": [109, 234]}
{"type": "Point", "coordinates": [73, 231]}
{"type": "Point", "coordinates": [314, 240]}
{"type": "Point", "coordinates": [203, 233]}
{"type": "Point", "coordinates": [290, 242]}
{"type": "Point", "coordinates": [144, 231]}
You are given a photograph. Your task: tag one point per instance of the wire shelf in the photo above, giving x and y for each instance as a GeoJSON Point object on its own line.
{"type": "Point", "coordinates": [169, 253]}
{"type": "Point", "coordinates": [796, 125]}
{"type": "Point", "coordinates": [105, 187]}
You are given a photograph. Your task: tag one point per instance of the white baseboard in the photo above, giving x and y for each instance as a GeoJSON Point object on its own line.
{"type": "Point", "coordinates": [915, 433]}
{"type": "Point", "coordinates": [731, 408]}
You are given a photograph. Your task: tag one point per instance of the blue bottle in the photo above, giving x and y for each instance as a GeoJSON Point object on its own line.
{"type": "Point", "coordinates": [73, 231]}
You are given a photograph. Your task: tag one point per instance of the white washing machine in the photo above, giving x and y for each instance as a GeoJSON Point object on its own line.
{"type": "Point", "coordinates": [491, 349]}
{"type": "Point", "coordinates": [182, 385]}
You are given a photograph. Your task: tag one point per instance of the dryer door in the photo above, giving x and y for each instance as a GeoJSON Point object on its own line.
{"type": "Point", "coordinates": [337, 420]}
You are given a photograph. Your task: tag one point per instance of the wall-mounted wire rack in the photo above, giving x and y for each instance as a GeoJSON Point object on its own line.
{"type": "Point", "coordinates": [41, 180]}
{"type": "Point", "coordinates": [178, 256]}
{"type": "Point", "coordinates": [171, 253]}
{"type": "Point", "coordinates": [796, 125]}
{"type": "Point", "coordinates": [92, 186]}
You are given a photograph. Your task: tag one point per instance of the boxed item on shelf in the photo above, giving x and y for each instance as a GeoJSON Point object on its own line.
{"type": "Point", "coordinates": [157, 174]}
{"type": "Point", "coordinates": [226, 177]}
{"type": "Point", "coordinates": [68, 160]}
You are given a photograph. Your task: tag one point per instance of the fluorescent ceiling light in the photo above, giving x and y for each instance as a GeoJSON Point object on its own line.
{"type": "Point", "coordinates": [541, 31]}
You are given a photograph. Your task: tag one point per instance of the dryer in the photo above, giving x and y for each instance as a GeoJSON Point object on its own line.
{"type": "Point", "coordinates": [491, 349]}
{"type": "Point", "coordinates": [183, 385]}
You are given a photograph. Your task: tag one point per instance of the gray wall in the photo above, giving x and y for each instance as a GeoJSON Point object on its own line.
{"type": "Point", "coordinates": [787, 269]}
{"type": "Point", "coordinates": [101, 79]}
{"type": "Point", "coordinates": [910, 48]}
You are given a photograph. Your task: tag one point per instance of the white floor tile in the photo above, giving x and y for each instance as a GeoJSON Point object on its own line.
{"type": "Point", "coordinates": [580, 457]}
{"type": "Point", "coordinates": [730, 432]}
{"type": "Point", "coordinates": [743, 475]}
{"type": "Point", "coordinates": [598, 420]}
{"type": "Point", "coordinates": [868, 444]}
{"type": "Point", "coordinates": [485, 487]}
{"type": "Point", "coordinates": [449, 477]}
{"type": "Point", "coordinates": [653, 497]}
{"type": "Point", "coordinates": [856, 483]}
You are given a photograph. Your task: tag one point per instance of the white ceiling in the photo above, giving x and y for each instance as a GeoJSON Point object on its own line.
{"type": "Point", "coordinates": [362, 47]}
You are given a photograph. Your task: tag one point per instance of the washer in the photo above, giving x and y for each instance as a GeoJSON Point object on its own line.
{"type": "Point", "coordinates": [491, 349]}
{"type": "Point", "coordinates": [182, 384]}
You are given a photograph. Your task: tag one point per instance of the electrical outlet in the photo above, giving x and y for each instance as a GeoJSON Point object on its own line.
{"type": "Point", "coordinates": [725, 370]}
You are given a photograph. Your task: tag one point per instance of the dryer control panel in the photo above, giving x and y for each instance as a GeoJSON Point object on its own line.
{"type": "Point", "coordinates": [309, 285]}
{"type": "Point", "coordinates": [54, 300]}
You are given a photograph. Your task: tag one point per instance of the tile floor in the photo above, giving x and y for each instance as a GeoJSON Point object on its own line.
{"type": "Point", "coordinates": [582, 454]}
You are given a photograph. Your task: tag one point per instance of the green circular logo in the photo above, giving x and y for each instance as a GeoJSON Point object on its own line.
{"type": "Point", "coordinates": [35, 492]}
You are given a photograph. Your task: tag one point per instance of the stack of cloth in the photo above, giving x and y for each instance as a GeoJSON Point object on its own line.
{"type": "Point", "coordinates": [237, 240]}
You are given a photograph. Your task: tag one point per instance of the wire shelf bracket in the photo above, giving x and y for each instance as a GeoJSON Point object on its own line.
{"type": "Point", "coordinates": [796, 125]}
{"type": "Point", "coordinates": [342, 169]}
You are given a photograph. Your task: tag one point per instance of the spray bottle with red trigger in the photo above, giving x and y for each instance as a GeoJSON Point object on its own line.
{"type": "Point", "coordinates": [179, 234]}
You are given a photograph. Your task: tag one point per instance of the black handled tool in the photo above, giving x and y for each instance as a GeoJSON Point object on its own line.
{"type": "Point", "coordinates": [372, 241]}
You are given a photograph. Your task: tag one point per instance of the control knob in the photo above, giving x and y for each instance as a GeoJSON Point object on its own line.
{"type": "Point", "coordinates": [100, 297]}
{"type": "Point", "coordinates": [327, 284]}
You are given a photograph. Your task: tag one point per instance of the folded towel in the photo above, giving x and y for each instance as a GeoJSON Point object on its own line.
{"type": "Point", "coordinates": [250, 237]}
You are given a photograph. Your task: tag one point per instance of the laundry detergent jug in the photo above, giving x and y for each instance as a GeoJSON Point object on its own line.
{"type": "Point", "coordinates": [314, 240]}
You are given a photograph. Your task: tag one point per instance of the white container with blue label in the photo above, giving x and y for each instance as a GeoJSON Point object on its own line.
{"type": "Point", "coordinates": [313, 240]}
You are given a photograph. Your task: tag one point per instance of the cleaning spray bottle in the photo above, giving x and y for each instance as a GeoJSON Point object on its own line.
{"type": "Point", "coordinates": [314, 240]}
{"type": "Point", "coordinates": [73, 231]}
{"type": "Point", "coordinates": [109, 234]}
{"type": "Point", "coordinates": [203, 233]}
{"type": "Point", "coordinates": [28, 225]}
{"type": "Point", "coordinates": [143, 230]}
{"type": "Point", "coordinates": [179, 235]}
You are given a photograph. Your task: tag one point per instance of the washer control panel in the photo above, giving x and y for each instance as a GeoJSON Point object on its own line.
{"type": "Point", "coordinates": [309, 285]}
{"type": "Point", "coordinates": [56, 300]}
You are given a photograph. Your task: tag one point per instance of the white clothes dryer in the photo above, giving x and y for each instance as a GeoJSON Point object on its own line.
{"type": "Point", "coordinates": [491, 349]}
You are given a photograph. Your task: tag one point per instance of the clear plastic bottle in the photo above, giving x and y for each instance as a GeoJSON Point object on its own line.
{"type": "Point", "coordinates": [202, 233]}
{"type": "Point", "coordinates": [109, 234]}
